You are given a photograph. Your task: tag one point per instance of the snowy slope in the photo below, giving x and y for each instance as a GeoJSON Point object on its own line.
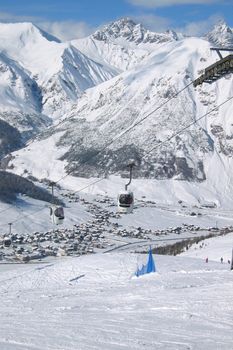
{"type": "Point", "coordinates": [39, 74]}
{"type": "Point", "coordinates": [41, 54]}
{"type": "Point", "coordinates": [213, 248]}
{"type": "Point", "coordinates": [201, 152]}
{"type": "Point", "coordinates": [201, 156]}
{"type": "Point", "coordinates": [221, 36]}
{"type": "Point", "coordinates": [122, 44]}
{"type": "Point", "coordinates": [95, 302]}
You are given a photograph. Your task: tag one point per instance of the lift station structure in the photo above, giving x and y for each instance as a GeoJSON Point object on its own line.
{"type": "Point", "coordinates": [218, 69]}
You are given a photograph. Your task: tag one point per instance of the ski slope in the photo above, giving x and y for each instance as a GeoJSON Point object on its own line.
{"type": "Point", "coordinates": [95, 302]}
{"type": "Point", "coordinates": [214, 248]}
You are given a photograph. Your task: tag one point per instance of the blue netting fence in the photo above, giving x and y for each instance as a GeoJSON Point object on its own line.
{"type": "Point", "coordinates": [147, 268]}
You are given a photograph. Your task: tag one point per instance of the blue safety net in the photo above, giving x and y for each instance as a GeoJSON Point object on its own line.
{"type": "Point", "coordinates": [148, 268]}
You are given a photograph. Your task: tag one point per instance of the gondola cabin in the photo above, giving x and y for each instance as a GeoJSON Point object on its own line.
{"type": "Point", "coordinates": [7, 242]}
{"type": "Point", "coordinates": [125, 202]}
{"type": "Point", "coordinates": [57, 215]}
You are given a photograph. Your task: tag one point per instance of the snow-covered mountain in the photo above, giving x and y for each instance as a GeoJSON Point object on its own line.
{"type": "Point", "coordinates": [101, 85]}
{"type": "Point", "coordinates": [40, 76]}
{"type": "Point", "coordinates": [123, 44]}
{"type": "Point", "coordinates": [221, 36]}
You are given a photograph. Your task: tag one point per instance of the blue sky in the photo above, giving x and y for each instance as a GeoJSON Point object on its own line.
{"type": "Point", "coordinates": [70, 19]}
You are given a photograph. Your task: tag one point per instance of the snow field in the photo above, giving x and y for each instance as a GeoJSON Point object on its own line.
{"type": "Point", "coordinates": [213, 248]}
{"type": "Point", "coordinates": [185, 305]}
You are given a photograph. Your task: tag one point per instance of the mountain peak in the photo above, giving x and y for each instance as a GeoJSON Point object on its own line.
{"type": "Point", "coordinates": [23, 31]}
{"type": "Point", "coordinates": [221, 35]}
{"type": "Point", "coordinates": [222, 27]}
{"type": "Point", "coordinates": [124, 27]}
{"type": "Point", "coordinates": [127, 29]}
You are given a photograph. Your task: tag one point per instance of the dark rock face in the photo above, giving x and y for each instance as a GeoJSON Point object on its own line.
{"type": "Point", "coordinates": [185, 172]}
{"type": "Point", "coordinates": [11, 185]}
{"type": "Point", "coordinates": [94, 163]}
{"type": "Point", "coordinates": [10, 139]}
{"type": "Point", "coordinates": [224, 140]}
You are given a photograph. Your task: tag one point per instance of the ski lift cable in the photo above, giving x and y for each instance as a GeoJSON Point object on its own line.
{"type": "Point", "coordinates": [189, 125]}
{"type": "Point", "coordinates": [185, 111]}
{"type": "Point", "coordinates": [11, 207]}
{"type": "Point", "coordinates": [24, 216]}
{"type": "Point", "coordinates": [8, 208]}
{"type": "Point", "coordinates": [35, 212]}
{"type": "Point", "coordinates": [32, 215]}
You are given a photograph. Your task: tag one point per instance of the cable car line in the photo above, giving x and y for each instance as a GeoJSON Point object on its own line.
{"type": "Point", "coordinates": [36, 138]}
{"type": "Point", "coordinates": [188, 126]}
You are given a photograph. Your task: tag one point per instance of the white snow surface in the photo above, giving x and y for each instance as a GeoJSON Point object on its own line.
{"type": "Point", "coordinates": [29, 215]}
{"type": "Point", "coordinates": [123, 44]}
{"type": "Point", "coordinates": [213, 249]}
{"type": "Point", "coordinates": [41, 74]}
{"type": "Point", "coordinates": [95, 302]}
{"type": "Point", "coordinates": [34, 49]}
